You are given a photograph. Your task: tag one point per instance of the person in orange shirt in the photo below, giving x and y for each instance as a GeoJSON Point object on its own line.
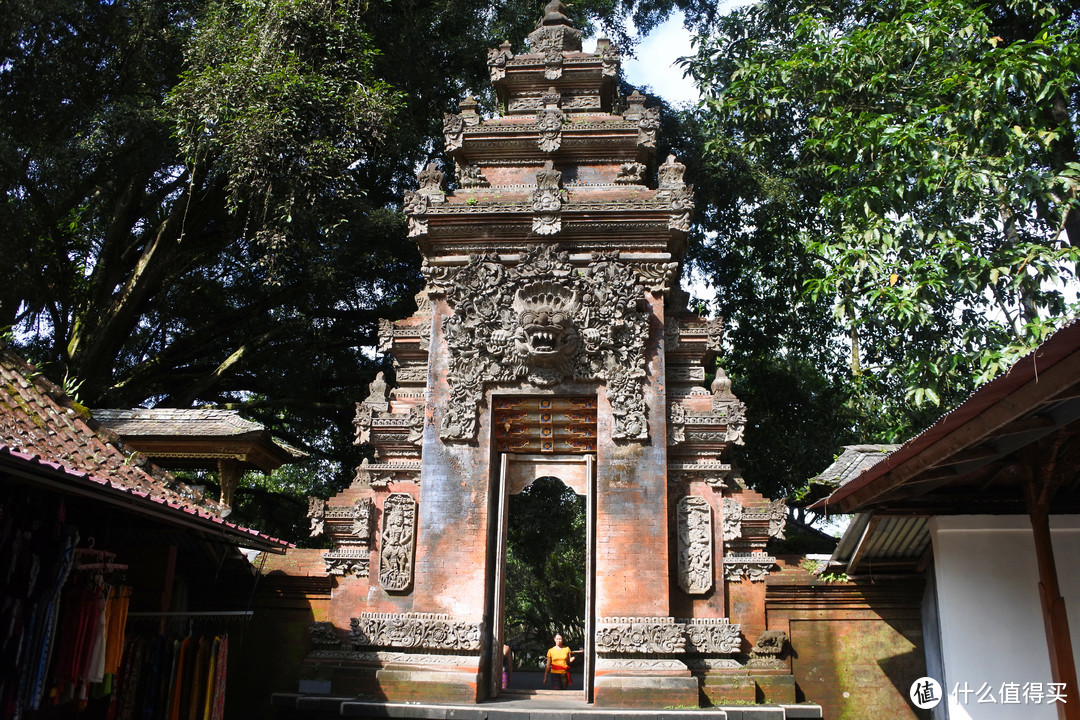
{"type": "Point", "coordinates": [558, 665]}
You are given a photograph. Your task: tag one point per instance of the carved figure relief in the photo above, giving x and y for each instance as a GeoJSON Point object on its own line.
{"type": "Point", "coordinates": [732, 519]}
{"type": "Point", "coordinates": [316, 514]}
{"type": "Point", "coordinates": [676, 424]}
{"type": "Point", "coordinates": [544, 321]}
{"type": "Point", "coordinates": [694, 532]}
{"type": "Point", "coordinates": [416, 207]}
{"type": "Point", "coordinates": [609, 58]}
{"type": "Point", "coordinates": [453, 131]}
{"type": "Point", "coordinates": [496, 61]}
{"type": "Point", "coordinates": [736, 424]}
{"type": "Point", "coordinates": [323, 634]}
{"type": "Point", "coordinates": [648, 126]}
{"type": "Point", "coordinates": [431, 182]}
{"type": "Point", "coordinates": [363, 512]}
{"type": "Point", "coordinates": [777, 518]}
{"type": "Point", "coordinates": [398, 542]}
{"type": "Point", "coordinates": [416, 425]}
{"type": "Point", "coordinates": [631, 173]}
{"type": "Point", "coordinates": [548, 200]}
{"type": "Point", "coordinates": [469, 176]}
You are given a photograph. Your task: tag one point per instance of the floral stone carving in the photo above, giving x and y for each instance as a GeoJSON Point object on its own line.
{"type": "Point", "coordinates": [694, 532]}
{"type": "Point", "coordinates": [398, 542]}
{"type": "Point", "coordinates": [496, 61]}
{"type": "Point", "coordinates": [732, 519]}
{"type": "Point", "coordinates": [348, 561]}
{"type": "Point", "coordinates": [640, 635]}
{"type": "Point", "coordinates": [415, 630]}
{"type": "Point", "coordinates": [544, 321]}
{"type": "Point", "coordinates": [316, 514]}
{"type": "Point", "coordinates": [712, 635]}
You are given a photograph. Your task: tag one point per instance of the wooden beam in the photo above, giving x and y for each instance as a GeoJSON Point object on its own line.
{"type": "Point", "coordinates": [864, 542]}
{"type": "Point", "coordinates": [1045, 387]}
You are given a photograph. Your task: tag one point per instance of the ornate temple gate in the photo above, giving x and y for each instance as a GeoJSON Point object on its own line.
{"type": "Point", "coordinates": [551, 338]}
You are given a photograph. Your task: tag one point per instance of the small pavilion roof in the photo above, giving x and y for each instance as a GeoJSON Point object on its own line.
{"type": "Point", "coordinates": [196, 437]}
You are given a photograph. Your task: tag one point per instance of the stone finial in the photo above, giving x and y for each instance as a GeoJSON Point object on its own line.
{"type": "Point", "coordinates": [670, 174]}
{"type": "Point", "coordinates": [635, 105]}
{"type": "Point", "coordinates": [469, 113]}
{"type": "Point", "coordinates": [721, 385]}
{"type": "Point", "coordinates": [555, 14]}
{"type": "Point", "coordinates": [555, 31]}
{"type": "Point", "coordinates": [377, 390]}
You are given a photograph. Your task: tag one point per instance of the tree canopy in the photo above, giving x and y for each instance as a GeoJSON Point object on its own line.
{"type": "Point", "coordinates": [912, 163]}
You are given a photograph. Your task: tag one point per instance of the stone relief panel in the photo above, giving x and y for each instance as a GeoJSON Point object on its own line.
{"type": "Point", "coordinates": [432, 631]}
{"type": "Point", "coordinates": [752, 566]}
{"type": "Point", "coordinates": [712, 636]}
{"type": "Point", "coordinates": [695, 545]}
{"type": "Point", "coordinates": [363, 512]}
{"type": "Point", "coordinates": [350, 560]}
{"type": "Point", "coordinates": [398, 542]}
{"type": "Point", "coordinates": [324, 635]}
{"type": "Point", "coordinates": [667, 636]}
{"type": "Point", "coordinates": [543, 321]}
{"type": "Point", "coordinates": [497, 59]}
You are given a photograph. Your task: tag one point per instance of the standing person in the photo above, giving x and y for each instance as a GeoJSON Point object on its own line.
{"type": "Point", "coordinates": [558, 664]}
{"type": "Point", "coordinates": [507, 666]}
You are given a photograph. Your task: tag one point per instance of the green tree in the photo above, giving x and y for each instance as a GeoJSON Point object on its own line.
{"type": "Point", "coordinates": [545, 566]}
{"type": "Point", "coordinates": [913, 163]}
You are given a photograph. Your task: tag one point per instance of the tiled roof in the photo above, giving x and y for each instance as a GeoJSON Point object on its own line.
{"type": "Point", "coordinates": [41, 427]}
{"type": "Point", "coordinates": [176, 421]}
{"type": "Point", "coordinates": [852, 462]}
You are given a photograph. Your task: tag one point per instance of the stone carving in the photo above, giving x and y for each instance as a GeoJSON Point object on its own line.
{"type": "Point", "coordinates": [631, 173]}
{"type": "Point", "coordinates": [469, 176]}
{"type": "Point", "coordinates": [736, 422]}
{"type": "Point", "coordinates": [316, 514]}
{"type": "Point", "coordinates": [549, 121]}
{"type": "Point", "coordinates": [469, 114]}
{"type": "Point", "coordinates": [496, 61]}
{"type": "Point", "coordinates": [363, 512]}
{"type": "Point", "coordinates": [548, 200]}
{"type": "Point", "coordinates": [721, 384]}
{"type": "Point", "coordinates": [453, 131]}
{"type": "Point", "coordinates": [323, 634]}
{"type": "Point", "coordinates": [351, 560]}
{"type": "Point", "coordinates": [553, 62]}
{"type": "Point", "coordinates": [377, 391]}
{"type": "Point", "coordinates": [732, 519]}
{"type": "Point", "coordinates": [555, 31]}
{"type": "Point", "coordinates": [666, 636]}
{"type": "Point", "coordinates": [658, 276]}
{"type": "Point", "coordinates": [386, 336]}
{"type": "Point", "coordinates": [417, 416]}
{"type": "Point", "coordinates": [362, 424]}
{"type": "Point", "coordinates": [609, 57]}
{"type": "Point", "coordinates": [398, 542]}
{"type": "Point", "coordinates": [416, 207]}
{"type": "Point", "coordinates": [715, 337]}
{"type": "Point", "coordinates": [768, 649]}
{"type": "Point", "coordinates": [694, 532]}
{"type": "Point", "coordinates": [640, 635]}
{"type": "Point", "coordinates": [415, 630]}
{"type": "Point", "coordinates": [648, 125]}
{"type": "Point", "coordinates": [682, 208]}
{"type": "Point", "coordinates": [670, 174]}
{"type": "Point", "coordinates": [661, 664]}
{"type": "Point", "coordinates": [676, 424]}
{"type": "Point", "coordinates": [635, 106]}
{"type": "Point", "coordinates": [777, 512]}
{"type": "Point", "coordinates": [417, 374]}
{"type": "Point", "coordinates": [544, 321]}
{"type": "Point", "coordinates": [753, 566]}
{"type": "Point", "coordinates": [712, 636]}
{"type": "Point", "coordinates": [431, 180]}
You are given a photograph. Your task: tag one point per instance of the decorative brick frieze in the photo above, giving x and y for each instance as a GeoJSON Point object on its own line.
{"type": "Point", "coordinates": [666, 636]}
{"type": "Point", "coordinates": [432, 631]}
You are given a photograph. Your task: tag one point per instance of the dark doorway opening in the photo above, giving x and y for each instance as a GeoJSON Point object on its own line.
{"type": "Point", "coordinates": [546, 578]}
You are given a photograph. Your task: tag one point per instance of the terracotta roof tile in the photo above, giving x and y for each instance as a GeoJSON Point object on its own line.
{"type": "Point", "coordinates": [41, 426]}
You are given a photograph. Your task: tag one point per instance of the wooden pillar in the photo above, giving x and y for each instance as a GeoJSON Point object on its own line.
{"type": "Point", "coordinates": [1058, 640]}
{"type": "Point", "coordinates": [229, 475]}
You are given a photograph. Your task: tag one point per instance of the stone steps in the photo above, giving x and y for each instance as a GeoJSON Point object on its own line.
{"type": "Point", "coordinates": [539, 705]}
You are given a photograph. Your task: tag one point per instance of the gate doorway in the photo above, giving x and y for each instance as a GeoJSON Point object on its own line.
{"type": "Point", "coordinates": [544, 546]}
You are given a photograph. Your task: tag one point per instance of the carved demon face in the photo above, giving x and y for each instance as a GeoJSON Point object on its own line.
{"type": "Point", "coordinates": [545, 313]}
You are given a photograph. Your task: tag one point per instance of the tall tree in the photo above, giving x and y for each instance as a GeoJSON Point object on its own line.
{"type": "Point", "coordinates": [912, 163]}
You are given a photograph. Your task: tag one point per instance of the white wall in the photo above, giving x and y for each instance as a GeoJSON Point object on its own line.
{"type": "Point", "coordinates": [991, 620]}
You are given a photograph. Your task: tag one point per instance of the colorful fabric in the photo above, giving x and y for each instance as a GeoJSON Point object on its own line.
{"type": "Point", "coordinates": [558, 659]}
